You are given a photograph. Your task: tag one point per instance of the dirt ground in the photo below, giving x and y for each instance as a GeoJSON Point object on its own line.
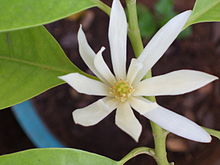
{"type": "Point", "coordinates": [200, 51]}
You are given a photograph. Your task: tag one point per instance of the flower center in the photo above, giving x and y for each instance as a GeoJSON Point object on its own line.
{"type": "Point", "coordinates": [121, 90]}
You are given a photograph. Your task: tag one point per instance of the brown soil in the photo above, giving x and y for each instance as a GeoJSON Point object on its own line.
{"type": "Point", "coordinates": [12, 137]}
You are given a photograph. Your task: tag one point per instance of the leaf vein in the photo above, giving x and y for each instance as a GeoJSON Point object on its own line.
{"type": "Point", "coordinates": [42, 66]}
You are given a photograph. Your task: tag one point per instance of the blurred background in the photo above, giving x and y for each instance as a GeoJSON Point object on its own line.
{"type": "Point", "coordinates": [196, 48]}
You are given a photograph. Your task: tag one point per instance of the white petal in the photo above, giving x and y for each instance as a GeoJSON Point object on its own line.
{"type": "Point", "coordinates": [118, 39]}
{"type": "Point", "coordinates": [94, 113]}
{"type": "Point", "coordinates": [102, 68]}
{"type": "Point", "coordinates": [173, 83]}
{"type": "Point", "coordinates": [86, 85]}
{"type": "Point", "coordinates": [162, 40]}
{"type": "Point", "coordinates": [133, 70]}
{"type": "Point", "coordinates": [126, 120]}
{"type": "Point", "coordinates": [178, 124]}
{"type": "Point", "coordinates": [86, 52]}
{"type": "Point", "coordinates": [141, 105]}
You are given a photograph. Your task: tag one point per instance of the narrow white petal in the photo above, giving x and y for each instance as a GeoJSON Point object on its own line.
{"type": "Point", "coordinates": [102, 67]}
{"type": "Point", "coordinates": [94, 113]}
{"type": "Point", "coordinates": [133, 70]}
{"type": "Point", "coordinates": [86, 85]}
{"type": "Point", "coordinates": [178, 124]}
{"type": "Point", "coordinates": [173, 83]}
{"type": "Point", "coordinates": [162, 40]}
{"type": "Point", "coordinates": [141, 105]}
{"type": "Point", "coordinates": [86, 52]}
{"type": "Point", "coordinates": [126, 120]}
{"type": "Point", "coordinates": [118, 39]}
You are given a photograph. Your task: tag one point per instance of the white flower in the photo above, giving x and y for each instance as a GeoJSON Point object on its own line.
{"type": "Point", "coordinates": [125, 91]}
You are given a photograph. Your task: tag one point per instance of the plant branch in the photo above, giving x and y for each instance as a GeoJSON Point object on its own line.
{"type": "Point", "coordinates": [103, 7]}
{"type": "Point", "coordinates": [160, 144]}
{"type": "Point", "coordinates": [133, 27]}
{"type": "Point", "coordinates": [135, 152]}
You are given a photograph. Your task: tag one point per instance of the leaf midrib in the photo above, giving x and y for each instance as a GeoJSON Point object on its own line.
{"type": "Point", "coordinates": [42, 66]}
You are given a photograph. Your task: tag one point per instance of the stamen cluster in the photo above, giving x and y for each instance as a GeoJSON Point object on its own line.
{"type": "Point", "coordinates": [121, 90]}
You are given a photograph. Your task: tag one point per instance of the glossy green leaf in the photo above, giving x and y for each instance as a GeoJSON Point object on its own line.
{"type": "Point", "coordinates": [55, 156]}
{"type": "Point", "coordinates": [18, 14]}
{"type": "Point", "coordinates": [205, 11]}
{"type": "Point", "coordinates": [30, 61]}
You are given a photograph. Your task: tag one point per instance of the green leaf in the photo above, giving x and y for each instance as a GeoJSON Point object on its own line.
{"type": "Point", "coordinates": [147, 22]}
{"type": "Point", "coordinates": [165, 11]}
{"type": "Point", "coordinates": [18, 14]}
{"type": "Point", "coordinates": [213, 132]}
{"type": "Point", "coordinates": [55, 156]}
{"type": "Point", "coordinates": [205, 11]}
{"type": "Point", "coordinates": [30, 61]}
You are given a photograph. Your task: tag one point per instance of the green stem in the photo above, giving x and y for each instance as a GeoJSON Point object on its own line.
{"type": "Point", "coordinates": [135, 152]}
{"type": "Point", "coordinates": [103, 7]}
{"type": "Point", "coordinates": [134, 31]}
{"type": "Point", "coordinates": [160, 144]}
{"type": "Point", "coordinates": [136, 42]}
{"type": "Point", "coordinates": [133, 27]}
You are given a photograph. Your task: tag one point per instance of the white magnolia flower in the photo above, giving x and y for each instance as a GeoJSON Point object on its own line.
{"type": "Point", "coordinates": [124, 91]}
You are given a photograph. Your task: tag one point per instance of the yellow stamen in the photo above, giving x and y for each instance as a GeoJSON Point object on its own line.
{"type": "Point", "coordinates": [121, 90]}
